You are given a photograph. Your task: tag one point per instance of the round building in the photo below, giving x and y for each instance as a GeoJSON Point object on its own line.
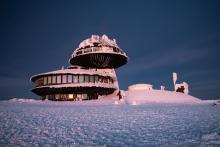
{"type": "Point", "coordinates": [99, 52]}
{"type": "Point", "coordinates": [91, 75]}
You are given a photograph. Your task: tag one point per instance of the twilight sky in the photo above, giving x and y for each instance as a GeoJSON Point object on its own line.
{"type": "Point", "coordinates": [160, 37]}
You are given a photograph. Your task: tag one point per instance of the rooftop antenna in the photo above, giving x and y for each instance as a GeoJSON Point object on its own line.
{"type": "Point", "coordinates": [174, 80]}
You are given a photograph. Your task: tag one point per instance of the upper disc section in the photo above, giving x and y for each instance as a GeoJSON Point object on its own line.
{"type": "Point", "coordinates": [99, 52]}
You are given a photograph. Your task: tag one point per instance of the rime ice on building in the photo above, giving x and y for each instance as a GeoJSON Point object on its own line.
{"type": "Point", "coordinates": [182, 87]}
{"type": "Point", "coordinates": [91, 74]}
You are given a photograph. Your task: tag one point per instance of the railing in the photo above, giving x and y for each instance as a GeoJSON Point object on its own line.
{"type": "Point", "coordinates": [98, 49]}
{"type": "Point", "coordinates": [89, 84]}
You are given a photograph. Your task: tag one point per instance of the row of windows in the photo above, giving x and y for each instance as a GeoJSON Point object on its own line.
{"type": "Point", "coordinates": [71, 97]}
{"type": "Point", "coordinates": [67, 78]}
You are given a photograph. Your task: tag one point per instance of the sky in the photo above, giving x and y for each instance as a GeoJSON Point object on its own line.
{"type": "Point", "coordinates": [160, 37]}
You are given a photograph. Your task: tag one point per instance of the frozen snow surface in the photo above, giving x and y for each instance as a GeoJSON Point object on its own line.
{"type": "Point", "coordinates": [102, 123]}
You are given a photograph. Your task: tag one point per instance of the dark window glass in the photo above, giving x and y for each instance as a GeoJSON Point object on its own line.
{"type": "Point", "coordinates": [86, 79]}
{"type": "Point", "coordinates": [92, 79]}
{"type": "Point", "coordinates": [81, 79]}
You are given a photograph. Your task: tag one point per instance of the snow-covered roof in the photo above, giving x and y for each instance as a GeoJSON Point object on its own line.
{"type": "Point", "coordinates": [100, 72]}
{"type": "Point", "coordinates": [98, 44]}
{"type": "Point", "coordinates": [103, 40]}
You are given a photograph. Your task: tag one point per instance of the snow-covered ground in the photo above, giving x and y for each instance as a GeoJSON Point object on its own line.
{"type": "Point", "coordinates": [102, 123]}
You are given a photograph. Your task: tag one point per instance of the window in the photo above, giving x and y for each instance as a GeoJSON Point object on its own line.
{"type": "Point", "coordinates": [49, 80]}
{"type": "Point", "coordinates": [84, 96]}
{"type": "Point", "coordinates": [47, 97]}
{"type": "Point", "coordinates": [69, 79]}
{"type": "Point", "coordinates": [81, 79]}
{"type": "Point", "coordinates": [63, 96]}
{"type": "Point", "coordinates": [105, 80]}
{"type": "Point", "coordinates": [40, 82]}
{"type": "Point", "coordinates": [92, 79]}
{"type": "Point", "coordinates": [96, 79]}
{"type": "Point", "coordinates": [54, 79]}
{"type": "Point", "coordinates": [70, 96]}
{"type": "Point", "coordinates": [57, 96]}
{"type": "Point", "coordinates": [86, 79]}
{"type": "Point", "coordinates": [64, 79]}
{"type": "Point", "coordinates": [75, 79]}
{"type": "Point", "coordinates": [59, 79]}
{"type": "Point", "coordinates": [100, 79]}
{"type": "Point", "coordinates": [111, 81]}
{"type": "Point", "coordinates": [45, 80]}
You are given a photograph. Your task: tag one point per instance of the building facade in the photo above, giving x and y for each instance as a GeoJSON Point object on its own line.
{"type": "Point", "coordinates": [91, 74]}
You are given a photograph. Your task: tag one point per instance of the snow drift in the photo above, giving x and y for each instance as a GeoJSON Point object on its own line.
{"type": "Point", "coordinates": [158, 96]}
{"type": "Point", "coordinates": [50, 123]}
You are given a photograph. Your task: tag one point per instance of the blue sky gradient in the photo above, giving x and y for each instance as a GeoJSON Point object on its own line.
{"type": "Point", "coordinates": [160, 37]}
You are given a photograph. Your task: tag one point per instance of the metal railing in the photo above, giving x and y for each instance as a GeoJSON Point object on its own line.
{"type": "Point", "coordinates": [98, 49]}
{"type": "Point", "coordinates": [85, 84]}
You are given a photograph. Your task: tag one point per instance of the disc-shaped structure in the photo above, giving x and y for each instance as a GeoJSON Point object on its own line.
{"type": "Point", "coordinates": [75, 84]}
{"type": "Point", "coordinates": [99, 52]}
{"type": "Point", "coordinates": [99, 60]}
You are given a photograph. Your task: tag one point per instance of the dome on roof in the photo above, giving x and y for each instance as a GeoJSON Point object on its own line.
{"type": "Point", "coordinates": [95, 39]}
{"type": "Point", "coordinates": [140, 87]}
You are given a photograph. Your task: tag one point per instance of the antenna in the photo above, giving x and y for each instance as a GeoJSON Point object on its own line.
{"type": "Point", "coordinates": [174, 80]}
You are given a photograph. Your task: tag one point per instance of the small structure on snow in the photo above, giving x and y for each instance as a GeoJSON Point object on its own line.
{"type": "Point", "coordinates": [140, 87]}
{"type": "Point", "coordinates": [182, 87]}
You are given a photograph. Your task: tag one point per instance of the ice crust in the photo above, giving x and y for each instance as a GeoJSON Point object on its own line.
{"type": "Point", "coordinates": [102, 123]}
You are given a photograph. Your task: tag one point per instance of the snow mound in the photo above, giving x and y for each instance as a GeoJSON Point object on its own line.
{"type": "Point", "coordinates": [158, 96]}
{"type": "Point", "coordinates": [22, 100]}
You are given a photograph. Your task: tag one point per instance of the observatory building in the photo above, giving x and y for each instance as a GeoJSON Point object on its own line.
{"type": "Point", "coordinates": [91, 74]}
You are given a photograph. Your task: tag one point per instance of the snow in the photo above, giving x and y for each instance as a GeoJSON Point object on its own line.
{"type": "Point", "coordinates": [23, 100]}
{"type": "Point", "coordinates": [107, 45]}
{"type": "Point", "coordinates": [104, 40]}
{"type": "Point", "coordinates": [140, 87]}
{"type": "Point", "coordinates": [158, 96]}
{"type": "Point", "coordinates": [102, 123]}
{"type": "Point", "coordinates": [101, 72]}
